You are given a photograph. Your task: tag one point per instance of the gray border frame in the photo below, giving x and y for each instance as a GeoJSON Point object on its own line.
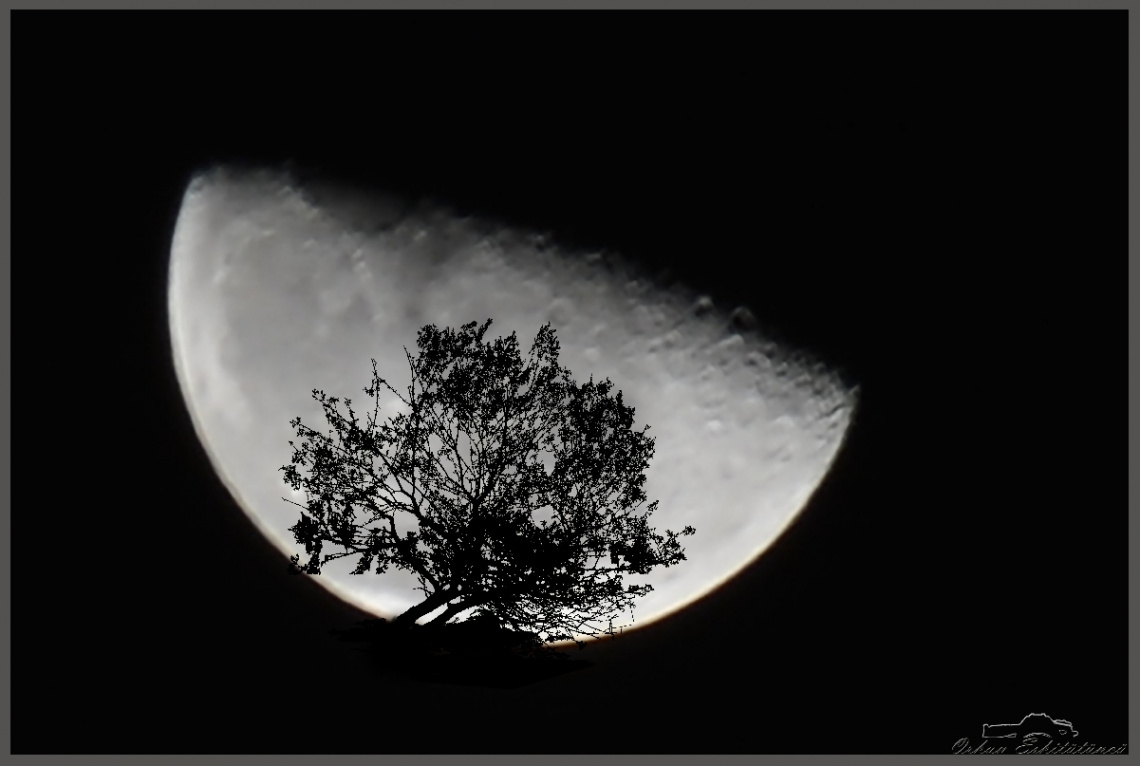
{"type": "Point", "coordinates": [956, 5]}
{"type": "Point", "coordinates": [5, 334]}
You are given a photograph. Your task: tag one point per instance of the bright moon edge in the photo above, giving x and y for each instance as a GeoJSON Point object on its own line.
{"type": "Point", "coordinates": [847, 402]}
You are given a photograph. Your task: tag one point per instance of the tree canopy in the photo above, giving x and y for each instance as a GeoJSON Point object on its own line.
{"type": "Point", "coordinates": [509, 490]}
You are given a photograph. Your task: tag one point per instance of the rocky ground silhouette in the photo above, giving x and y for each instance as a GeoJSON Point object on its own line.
{"type": "Point", "coordinates": [478, 652]}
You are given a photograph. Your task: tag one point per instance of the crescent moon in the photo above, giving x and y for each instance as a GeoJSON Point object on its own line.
{"type": "Point", "coordinates": [277, 288]}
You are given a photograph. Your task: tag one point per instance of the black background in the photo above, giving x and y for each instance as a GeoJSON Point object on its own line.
{"type": "Point", "coordinates": [934, 202]}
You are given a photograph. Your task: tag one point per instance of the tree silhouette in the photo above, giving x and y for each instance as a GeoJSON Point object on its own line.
{"type": "Point", "coordinates": [510, 491]}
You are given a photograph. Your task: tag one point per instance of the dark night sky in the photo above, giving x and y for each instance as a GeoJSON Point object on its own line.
{"type": "Point", "coordinates": [935, 202]}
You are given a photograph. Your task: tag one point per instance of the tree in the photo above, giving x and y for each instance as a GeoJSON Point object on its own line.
{"type": "Point", "coordinates": [510, 491]}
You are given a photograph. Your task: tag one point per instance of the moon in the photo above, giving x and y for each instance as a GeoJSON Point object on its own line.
{"type": "Point", "coordinates": [278, 287]}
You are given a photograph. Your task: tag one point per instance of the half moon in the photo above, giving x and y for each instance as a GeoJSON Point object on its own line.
{"type": "Point", "coordinates": [276, 289]}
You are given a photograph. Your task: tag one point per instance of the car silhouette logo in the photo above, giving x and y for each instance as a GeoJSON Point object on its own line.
{"type": "Point", "coordinates": [1035, 727]}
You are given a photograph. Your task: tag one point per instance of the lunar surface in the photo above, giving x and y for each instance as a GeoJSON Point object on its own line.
{"type": "Point", "coordinates": [277, 288]}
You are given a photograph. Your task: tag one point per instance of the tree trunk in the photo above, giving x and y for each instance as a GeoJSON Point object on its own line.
{"type": "Point", "coordinates": [450, 612]}
{"type": "Point", "coordinates": [431, 603]}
